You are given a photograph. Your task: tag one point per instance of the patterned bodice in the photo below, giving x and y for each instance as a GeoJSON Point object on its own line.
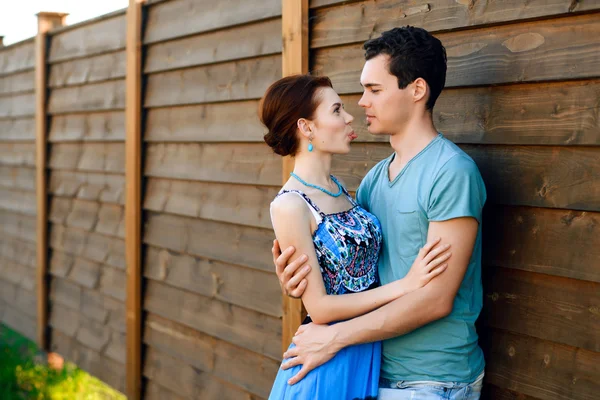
{"type": "Point", "coordinates": [347, 244]}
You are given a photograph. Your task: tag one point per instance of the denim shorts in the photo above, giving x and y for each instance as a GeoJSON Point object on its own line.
{"type": "Point", "coordinates": [429, 390]}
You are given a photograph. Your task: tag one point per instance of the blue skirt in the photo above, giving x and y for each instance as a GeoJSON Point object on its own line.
{"type": "Point", "coordinates": [351, 374]}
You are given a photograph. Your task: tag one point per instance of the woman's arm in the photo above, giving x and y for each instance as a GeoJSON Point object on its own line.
{"type": "Point", "coordinates": [291, 220]}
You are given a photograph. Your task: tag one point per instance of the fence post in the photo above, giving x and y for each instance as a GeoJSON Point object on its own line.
{"type": "Point", "coordinates": [133, 200]}
{"type": "Point", "coordinates": [46, 22]}
{"type": "Point", "coordinates": [294, 61]}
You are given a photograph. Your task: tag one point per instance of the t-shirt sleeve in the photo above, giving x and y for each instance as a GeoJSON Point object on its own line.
{"type": "Point", "coordinates": [457, 191]}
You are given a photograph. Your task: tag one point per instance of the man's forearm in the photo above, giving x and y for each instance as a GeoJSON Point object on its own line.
{"type": "Point", "coordinates": [397, 318]}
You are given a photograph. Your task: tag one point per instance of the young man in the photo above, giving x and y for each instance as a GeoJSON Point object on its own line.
{"type": "Point", "coordinates": [427, 188]}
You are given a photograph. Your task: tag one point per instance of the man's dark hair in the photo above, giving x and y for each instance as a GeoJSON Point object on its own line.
{"type": "Point", "coordinates": [414, 53]}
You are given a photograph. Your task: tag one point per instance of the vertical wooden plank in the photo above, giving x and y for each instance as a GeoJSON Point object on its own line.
{"type": "Point", "coordinates": [133, 200]}
{"type": "Point", "coordinates": [46, 21]}
{"type": "Point", "coordinates": [294, 61]}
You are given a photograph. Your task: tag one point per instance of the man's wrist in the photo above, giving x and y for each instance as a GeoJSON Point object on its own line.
{"type": "Point", "coordinates": [338, 341]}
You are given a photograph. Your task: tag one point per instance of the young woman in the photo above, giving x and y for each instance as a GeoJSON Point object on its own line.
{"type": "Point", "coordinates": [314, 213]}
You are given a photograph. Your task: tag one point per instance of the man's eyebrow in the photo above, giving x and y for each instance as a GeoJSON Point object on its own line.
{"type": "Point", "coordinates": [368, 85]}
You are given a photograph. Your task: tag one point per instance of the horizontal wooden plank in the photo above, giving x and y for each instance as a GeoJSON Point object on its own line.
{"type": "Point", "coordinates": [103, 96]}
{"type": "Point", "coordinates": [21, 178]}
{"type": "Point", "coordinates": [544, 370]}
{"type": "Point", "coordinates": [102, 126]}
{"type": "Point", "coordinates": [187, 381]}
{"type": "Point", "coordinates": [87, 70]}
{"type": "Point", "coordinates": [496, 393]}
{"type": "Point", "coordinates": [84, 272]}
{"type": "Point", "coordinates": [246, 41]}
{"type": "Point", "coordinates": [251, 163]}
{"type": "Point", "coordinates": [238, 80]}
{"type": "Point", "coordinates": [103, 309]}
{"type": "Point", "coordinates": [556, 49]}
{"type": "Point", "coordinates": [104, 368]}
{"type": "Point", "coordinates": [102, 36]}
{"type": "Point", "coordinates": [245, 328]}
{"type": "Point", "coordinates": [107, 219]}
{"type": "Point", "coordinates": [221, 122]}
{"type": "Point", "coordinates": [186, 17]}
{"type": "Point", "coordinates": [98, 157]}
{"type": "Point", "coordinates": [22, 276]}
{"type": "Point", "coordinates": [80, 300]}
{"type": "Point", "coordinates": [22, 129]}
{"type": "Point", "coordinates": [18, 226]}
{"type": "Point", "coordinates": [17, 154]}
{"type": "Point", "coordinates": [89, 245]}
{"type": "Point", "coordinates": [17, 105]}
{"type": "Point", "coordinates": [237, 204]}
{"type": "Point", "coordinates": [18, 57]}
{"type": "Point", "coordinates": [245, 245]}
{"type": "Point", "coordinates": [237, 366]}
{"type": "Point", "coordinates": [21, 252]}
{"type": "Point", "coordinates": [20, 322]}
{"type": "Point", "coordinates": [112, 283]}
{"type": "Point", "coordinates": [16, 83]}
{"type": "Point", "coordinates": [88, 332]}
{"type": "Point", "coordinates": [558, 177]}
{"type": "Point", "coordinates": [562, 113]}
{"type": "Point", "coordinates": [105, 188]}
{"type": "Point", "coordinates": [557, 309]}
{"type": "Point", "coordinates": [325, 3]}
{"type": "Point", "coordinates": [20, 201]}
{"type": "Point", "coordinates": [154, 391]}
{"type": "Point", "coordinates": [549, 241]}
{"type": "Point", "coordinates": [244, 287]}
{"type": "Point", "coordinates": [358, 22]}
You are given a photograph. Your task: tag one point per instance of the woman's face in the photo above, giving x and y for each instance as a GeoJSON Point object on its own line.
{"type": "Point", "coordinates": [332, 132]}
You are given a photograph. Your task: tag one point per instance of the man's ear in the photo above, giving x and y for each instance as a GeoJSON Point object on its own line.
{"type": "Point", "coordinates": [420, 89]}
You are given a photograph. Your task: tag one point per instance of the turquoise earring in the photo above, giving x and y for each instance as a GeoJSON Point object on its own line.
{"type": "Point", "coordinates": [310, 146]}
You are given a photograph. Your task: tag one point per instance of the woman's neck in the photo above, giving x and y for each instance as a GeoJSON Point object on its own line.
{"type": "Point", "coordinates": [314, 169]}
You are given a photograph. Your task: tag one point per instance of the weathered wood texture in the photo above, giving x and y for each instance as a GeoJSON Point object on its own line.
{"type": "Point", "coordinates": [89, 38]}
{"type": "Point", "coordinates": [16, 130]}
{"type": "Point", "coordinates": [235, 80]}
{"type": "Point", "coordinates": [18, 57]}
{"type": "Point", "coordinates": [363, 20]}
{"type": "Point", "coordinates": [179, 18]}
{"type": "Point", "coordinates": [556, 49]}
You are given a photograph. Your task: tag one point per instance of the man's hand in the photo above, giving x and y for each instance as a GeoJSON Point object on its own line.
{"type": "Point", "coordinates": [315, 345]}
{"type": "Point", "coordinates": [292, 277]}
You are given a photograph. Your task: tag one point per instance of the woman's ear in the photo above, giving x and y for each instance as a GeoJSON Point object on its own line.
{"type": "Point", "coordinates": [420, 89]}
{"type": "Point", "coordinates": [305, 128]}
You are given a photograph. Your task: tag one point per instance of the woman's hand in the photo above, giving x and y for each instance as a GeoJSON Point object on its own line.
{"type": "Point", "coordinates": [430, 262]}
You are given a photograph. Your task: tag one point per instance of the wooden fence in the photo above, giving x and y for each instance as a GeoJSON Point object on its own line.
{"type": "Point", "coordinates": [186, 304]}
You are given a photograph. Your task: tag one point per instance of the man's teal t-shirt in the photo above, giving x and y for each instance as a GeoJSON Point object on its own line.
{"type": "Point", "coordinates": [440, 183]}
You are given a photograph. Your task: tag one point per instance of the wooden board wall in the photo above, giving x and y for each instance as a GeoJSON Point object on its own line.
{"type": "Point", "coordinates": [86, 159]}
{"type": "Point", "coordinates": [18, 298]}
{"type": "Point", "coordinates": [213, 304]}
{"type": "Point", "coordinates": [522, 99]}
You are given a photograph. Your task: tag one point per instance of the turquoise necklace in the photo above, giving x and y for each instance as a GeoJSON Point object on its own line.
{"type": "Point", "coordinates": [319, 187]}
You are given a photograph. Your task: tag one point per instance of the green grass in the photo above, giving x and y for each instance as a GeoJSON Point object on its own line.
{"type": "Point", "coordinates": [24, 378]}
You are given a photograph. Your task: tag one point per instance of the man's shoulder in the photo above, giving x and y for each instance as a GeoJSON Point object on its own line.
{"type": "Point", "coordinates": [452, 159]}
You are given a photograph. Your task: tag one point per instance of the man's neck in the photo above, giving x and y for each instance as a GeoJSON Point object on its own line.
{"type": "Point", "coordinates": [412, 139]}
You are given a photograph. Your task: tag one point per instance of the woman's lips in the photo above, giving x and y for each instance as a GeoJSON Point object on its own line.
{"type": "Point", "coordinates": [352, 135]}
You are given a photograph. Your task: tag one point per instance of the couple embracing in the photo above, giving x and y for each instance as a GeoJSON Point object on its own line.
{"type": "Point", "coordinates": [391, 279]}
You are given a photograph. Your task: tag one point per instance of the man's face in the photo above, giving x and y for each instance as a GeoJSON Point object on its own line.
{"type": "Point", "coordinates": [386, 106]}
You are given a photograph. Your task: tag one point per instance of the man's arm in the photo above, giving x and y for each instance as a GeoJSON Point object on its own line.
{"type": "Point", "coordinates": [422, 306]}
{"type": "Point", "coordinates": [399, 317]}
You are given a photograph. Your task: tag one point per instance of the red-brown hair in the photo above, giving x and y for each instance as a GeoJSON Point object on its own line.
{"type": "Point", "coordinates": [284, 103]}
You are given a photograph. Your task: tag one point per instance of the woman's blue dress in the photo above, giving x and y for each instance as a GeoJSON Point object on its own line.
{"type": "Point", "coordinates": [347, 246]}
